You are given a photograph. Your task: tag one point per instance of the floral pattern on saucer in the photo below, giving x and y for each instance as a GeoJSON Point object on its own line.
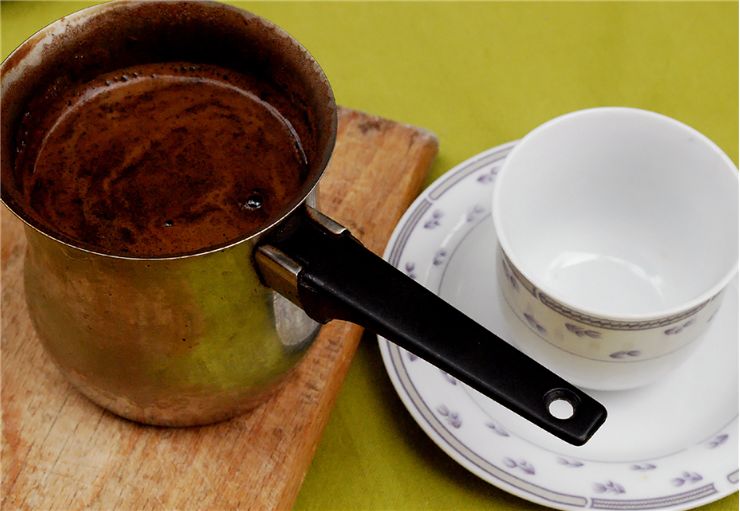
{"type": "Point", "coordinates": [631, 463]}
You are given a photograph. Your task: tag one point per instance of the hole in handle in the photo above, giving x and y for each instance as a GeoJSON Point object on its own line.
{"type": "Point", "coordinates": [561, 403]}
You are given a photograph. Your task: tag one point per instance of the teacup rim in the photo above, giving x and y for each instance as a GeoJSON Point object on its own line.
{"type": "Point", "coordinates": [505, 246]}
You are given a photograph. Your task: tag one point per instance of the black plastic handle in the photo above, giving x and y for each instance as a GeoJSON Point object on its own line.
{"type": "Point", "coordinates": [341, 279]}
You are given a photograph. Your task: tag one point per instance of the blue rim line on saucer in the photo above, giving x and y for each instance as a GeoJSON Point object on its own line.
{"type": "Point", "coordinates": [515, 475]}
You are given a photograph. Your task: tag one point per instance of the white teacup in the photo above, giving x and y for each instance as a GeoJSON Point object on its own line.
{"type": "Point", "coordinates": [618, 233]}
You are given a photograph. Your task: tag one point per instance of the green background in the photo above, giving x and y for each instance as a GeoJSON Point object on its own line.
{"type": "Point", "coordinates": [476, 74]}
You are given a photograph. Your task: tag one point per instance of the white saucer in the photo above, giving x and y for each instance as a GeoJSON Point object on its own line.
{"type": "Point", "coordinates": [672, 445]}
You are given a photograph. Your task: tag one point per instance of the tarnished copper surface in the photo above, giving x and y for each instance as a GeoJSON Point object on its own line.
{"type": "Point", "coordinates": [176, 342]}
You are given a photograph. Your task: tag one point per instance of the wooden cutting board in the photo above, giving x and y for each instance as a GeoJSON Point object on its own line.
{"type": "Point", "coordinates": [60, 451]}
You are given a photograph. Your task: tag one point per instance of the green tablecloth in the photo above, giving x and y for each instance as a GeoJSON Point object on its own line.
{"type": "Point", "coordinates": [477, 74]}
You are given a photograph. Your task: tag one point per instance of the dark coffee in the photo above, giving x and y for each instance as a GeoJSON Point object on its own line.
{"type": "Point", "coordinates": [158, 159]}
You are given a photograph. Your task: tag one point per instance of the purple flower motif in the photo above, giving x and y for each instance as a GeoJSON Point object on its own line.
{"type": "Point", "coordinates": [453, 418]}
{"type": "Point", "coordinates": [487, 176]}
{"type": "Point", "coordinates": [497, 428]}
{"type": "Point", "coordinates": [609, 487]}
{"type": "Point", "coordinates": [450, 379]}
{"type": "Point", "coordinates": [522, 465]}
{"type": "Point", "coordinates": [570, 463]}
{"type": "Point", "coordinates": [534, 323]}
{"type": "Point", "coordinates": [642, 467]}
{"type": "Point", "coordinates": [686, 478]}
{"type": "Point", "coordinates": [580, 331]}
{"type": "Point", "coordinates": [410, 267]}
{"type": "Point", "coordinates": [679, 328]}
{"type": "Point", "coordinates": [440, 257]}
{"type": "Point", "coordinates": [718, 440]}
{"type": "Point", "coordinates": [434, 221]}
{"type": "Point", "coordinates": [619, 355]}
{"type": "Point", "coordinates": [510, 275]}
{"type": "Point", "coordinates": [475, 213]}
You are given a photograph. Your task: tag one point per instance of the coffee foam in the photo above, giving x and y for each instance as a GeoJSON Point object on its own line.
{"type": "Point", "coordinates": [159, 159]}
{"type": "Point", "coordinates": [101, 39]}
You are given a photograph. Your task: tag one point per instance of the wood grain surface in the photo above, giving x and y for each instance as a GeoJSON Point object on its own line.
{"type": "Point", "coordinates": [60, 451]}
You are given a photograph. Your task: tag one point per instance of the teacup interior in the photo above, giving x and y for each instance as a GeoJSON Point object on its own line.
{"type": "Point", "coordinates": [619, 211]}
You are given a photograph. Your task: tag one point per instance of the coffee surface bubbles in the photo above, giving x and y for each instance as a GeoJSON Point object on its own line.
{"type": "Point", "coordinates": [159, 159]}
